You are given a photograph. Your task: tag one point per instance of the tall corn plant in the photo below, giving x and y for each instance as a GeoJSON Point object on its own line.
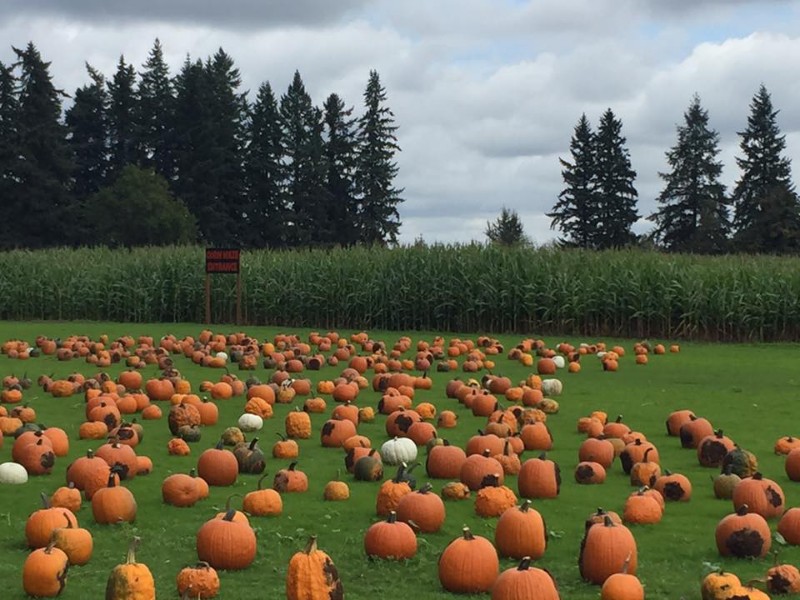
{"type": "Point", "coordinates": [464, 288]}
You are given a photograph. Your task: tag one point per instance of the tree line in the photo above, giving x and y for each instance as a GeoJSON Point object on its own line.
{"type": "Point", "coordinates": [147, 157]}
{"type": "Point", "coordinates": [597, 207]}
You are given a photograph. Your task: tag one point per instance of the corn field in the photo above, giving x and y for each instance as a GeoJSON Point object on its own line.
{"type": "Point", "coordinates": [438, 288]}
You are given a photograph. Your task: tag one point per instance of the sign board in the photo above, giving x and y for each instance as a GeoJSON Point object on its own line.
{"type": "Point", "coordinates": [222, 260]}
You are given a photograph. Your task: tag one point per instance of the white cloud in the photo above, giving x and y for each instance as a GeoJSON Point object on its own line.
{"type": "Point", "coordinates": [486, 92]}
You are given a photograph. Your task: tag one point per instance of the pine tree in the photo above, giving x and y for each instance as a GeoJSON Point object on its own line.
{"type": "Point", "coordinates": [42, 207]}
{"type": "Point", "coordinates": [507, 230]}
{"type": "Point", "coordinates": [87, 120]}
{"type": "Point", "coordinates": [379, 220]}
{"type": "Point", "coordinates": [266, 212]}
{"type": "Point", "coordinates": [122, 117]}
{"type": "Point", "coordinates": [616, 194]}
{"type": "Point", "coordinates": [340, 159]}
{"type": "Point", "coordinates": [575, 212]}
{"type": "Point", "coordinates": [765, 174]}
{"type": "Point", "coordinates": [154, 118]}
{"type": "Point", "coordinates": [306, 193]}
{"type": "Point", "coordinates": [10, 192]}
{"type": "Point", "coordinates": [693, 216]}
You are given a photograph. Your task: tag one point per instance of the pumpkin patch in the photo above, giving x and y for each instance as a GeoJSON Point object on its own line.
{"type": "Point", "coordinates": [405, 493]}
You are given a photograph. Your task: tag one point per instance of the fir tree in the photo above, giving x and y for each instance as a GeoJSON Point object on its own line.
{"type": "Point", "coordinates": [121, 117]}
{"type": "Point", "coordinates": [575, 212]}
{"type": "Point", "coordinates": [305, 186]}
{"type": "Point", "coordinates": [41, 208]}
{"type": "Point", "coordinates": [9, 155]}
{"type": "Point", "coordinates": [155, 115]}
{"type": "Point", "coordinates": [765, 173]}
{"type": "Point", "coordinates": [87, 120]}
{"type": "Point", "coordinates": [378, 219]}
{"type": "Point", "coordinates": [340, 160]}
{"type": "Point", "coordinates": [693, 216]}
{"type": "Point", "coordinates": [265, 211]}
{"type": "Point", "coordinates": [616, 195]}
{"type": "Point", "coordinates": [507, 230]}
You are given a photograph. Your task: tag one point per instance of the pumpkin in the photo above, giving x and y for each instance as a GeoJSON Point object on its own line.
{"type": "Point", "coordinates": [263, 502]}
{"type": "Point", "coordinates": [12, 473]}
{"type": "Point", "coordinates": [521, 533]}
{"type": "Point", "coordinates": [392, 490]}
{"type": "Point", "coordinates": [525, 581]}
{"type": "Point", "coordinates": [641, 508]}
{"type": "Point", "coordinates": [717, 584]}
{"type": "Point", "coordinates": [789, 526]}
{"type": "Point", "coordinates": [622, 586]}
{"type": "Point", "coordinates": [398, 450]}
{"type": "Point", "coordinates": [674, 486]}
{"type": "Point", "coordinates": [604, 550]}
{"type": "Point", "coordinates": [783, 579]}
{"type": "Point", "coordinates": [68, 497]}
{"type": "Point", "coordinates": [312, 575]}
{"type": "Point", "coordinates": [539, 478]}
{"type": "Point", "coordinates": [743, 534]}
{"type": "Point", "coordinates": [290, 480]}
{"type": "Point", "coordinates": [598, 450]}
{"type": "Point", "coordinates": [422, 508]}
{"type": "Point", "coordinates": [298, 425]}
{"type": "Point", "coordinates": [646, 472]}
{"type": "Point", "coordinates": [761, 495]}
{"type": "Point", "coordinates": [336, 490]}
{"type": "Point", "coordinates": [334, 432]}
{"type": "Point", "coordinates": [225, 543]}
{"type": "Point", "coordinates": [200, 580]}
{"type": "Point", "coordinates": [43, 522]}
{"type": "Point", "coordinates": [76, 542]}
{"type": "Point", "coordinates": [390, 539]}
{"type": "Point", "coordinates": [725, 482]}
{"type": "Point", "coordinates": [182, 414]}
{"type": "Point", "coordinates": [113, 504]}
{"type": "Point", "coordinates": [588, 472]}
{"type": "Point", "coordinates": [119, 457]}
{"type": "Point", "coordinates": [131, 580]}
{"type": "Point", "coordinates": [369, 467]}
{"type": "Point", "coordinates": [248, 422]}
{"type": "Point", "coordinates": [179, 490]}
{"type": "Point", "coordinates": [694, 430]}
{"type": "Point", "coordinates": [218, 466]}
{"type": "Point", "coordinates": [44, 573]}
{"type": "Point", "coordinates": [285, 447]}
{"type": "Point", "coordinates": [250, 457]}
{"type": "Point", "coordinates": [88, 473]}
{"type": "Point", "coordinates": [493, 499]}
{"type": "Point", "coordinates": [468, 565]}
{"type": "Point", "coordinates": [455, 490]}
{"type": "Point", "coordinates": [315, 405]}
{"type": "Point", "coordinates": [38, 458]}
{"type": "Point", "coordinates": [232, 436]}
{"type": "Point", "coordinates": [178, 447]}
{"type": "Point", "coordinates": [445, 461]}
{"type": "Point", "coordinates": [712, 449]}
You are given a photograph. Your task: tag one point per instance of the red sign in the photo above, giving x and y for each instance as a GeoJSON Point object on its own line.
{"type": "Point", "coordinates": [222, 260]}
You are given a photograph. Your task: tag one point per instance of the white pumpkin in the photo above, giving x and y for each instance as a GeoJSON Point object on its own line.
{"type": "Point", "coordinates": [13, 473]}
{"type": "Point", "coordinates": [559, 360]}
{"type": "Point", "coordinates": [221, 355]}
{"type": "Point", "coordinates": [552, 387]}
{"type": "Point", "coordinates": [398, 450]}
{"type": "Point", "coordinates": [249, 422]}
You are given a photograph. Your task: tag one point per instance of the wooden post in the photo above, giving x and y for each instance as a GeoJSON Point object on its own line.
{"type": "Point", "coordinates": [208, 298]}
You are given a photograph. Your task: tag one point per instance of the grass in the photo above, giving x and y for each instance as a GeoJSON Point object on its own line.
{"type": "Point", "coordinates": [748, 390]}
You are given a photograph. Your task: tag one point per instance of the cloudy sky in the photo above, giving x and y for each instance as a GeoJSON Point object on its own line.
{"type": "Point", "coordinates": [486, 92]}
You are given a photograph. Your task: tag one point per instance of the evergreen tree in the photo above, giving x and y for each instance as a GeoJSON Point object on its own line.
{"type": "Point", "coordinates": [616, 194]}
{"type": "Point", "coordinates": [340, 159]}
{"type": "Point", "coordinates": [41, 206]}
{"type": "Point", "coordinates": [766, 175]}
{"type": "Point", "coordinates": [155, 108]}
{"type": "Point", "coordinates": [87, 121]}
{"type": "Point", "coordinates": [9, 155]}
{"type": "Point", "coordinates": [122, 117]}
{"type": "Point", "coordinates": [266, 213]}
{"type": "Point", "coordinates": [306, 192]}
{"type": "Point", "coordinates": [694, 215]}
{"type": "Point", "coordinates": [379, 220]}
{"type": "Point", "coordinates": [575, 212]}
{"type": "Point", "coordinates": [507, 230]}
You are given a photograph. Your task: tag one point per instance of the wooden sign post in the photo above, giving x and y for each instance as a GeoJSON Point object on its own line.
{"type": "Point", "coordinates": [223, 260]}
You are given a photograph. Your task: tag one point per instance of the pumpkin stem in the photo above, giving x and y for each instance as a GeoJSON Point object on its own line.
{"type": "Point", "coordinates": [525, 506]}
{"type": "Point", "coordinates": [626, 564]}
{"type": "Point", "coordinates": [425, 488]}
{"type": "Point", "coordinates": [228, 501]}
{"type": "Point", "coordinates": [392, 518]}
{"type": "Point", "coordinates": [131, 557]}
{"type": "Point", "coordinates": [262, 478]}
{"type": "Point", "coordinates": [742, 510]}
{"type": "Point", "coordinates": [311, 546]}
{"type": "Point", "coordinates": [608, 522]}
{"type": "Point", "coordinates": [467, 534]}
{"type": "Point", "coordinates": [253, 443]}
{"type": "Point", "coordinates": [229, 515]}
{"type": "Point", "coordinates": [292, 465]}
{"type": "Point", "coordinates": [487, 452]}
{"type": "Point", "coordinates": [45, 500]}
{"type": "Point", "coordinates": [524, 564]}
{"type": "Point", "coordinates": [280, 435]}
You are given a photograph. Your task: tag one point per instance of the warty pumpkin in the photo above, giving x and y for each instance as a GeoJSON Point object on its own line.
{"type": "Point", "coordinates": [198, 581]}
{"type": "Point", "coordinates": [131, 580]}
{"type": "Point", "coordinates": [312, 575]}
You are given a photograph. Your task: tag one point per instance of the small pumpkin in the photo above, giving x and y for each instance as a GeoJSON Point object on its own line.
{"type": "Point", "coordinates": [312, 575]}
{"type": "Point", "coordinates": [263, 502]}
{"type": "Point", "coordinates": [390, 539]}
{"type": "Point", "coordinates": [336, 490]}
{"type": "Point", "coordinates": [131, 579]}
{"type": "Point", "coordinates": [199, 580]}
{"type": "Point", "coordinates": [290, 480]}
{"type": "Point", "coordinates": [76, 542]}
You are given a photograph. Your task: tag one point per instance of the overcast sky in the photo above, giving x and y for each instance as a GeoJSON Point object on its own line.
{"type": "Point", "coordinates": [486, 93]}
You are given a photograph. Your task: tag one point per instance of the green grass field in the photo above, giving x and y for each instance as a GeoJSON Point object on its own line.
{"type": "Point", "coordinates": [750, 391]}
